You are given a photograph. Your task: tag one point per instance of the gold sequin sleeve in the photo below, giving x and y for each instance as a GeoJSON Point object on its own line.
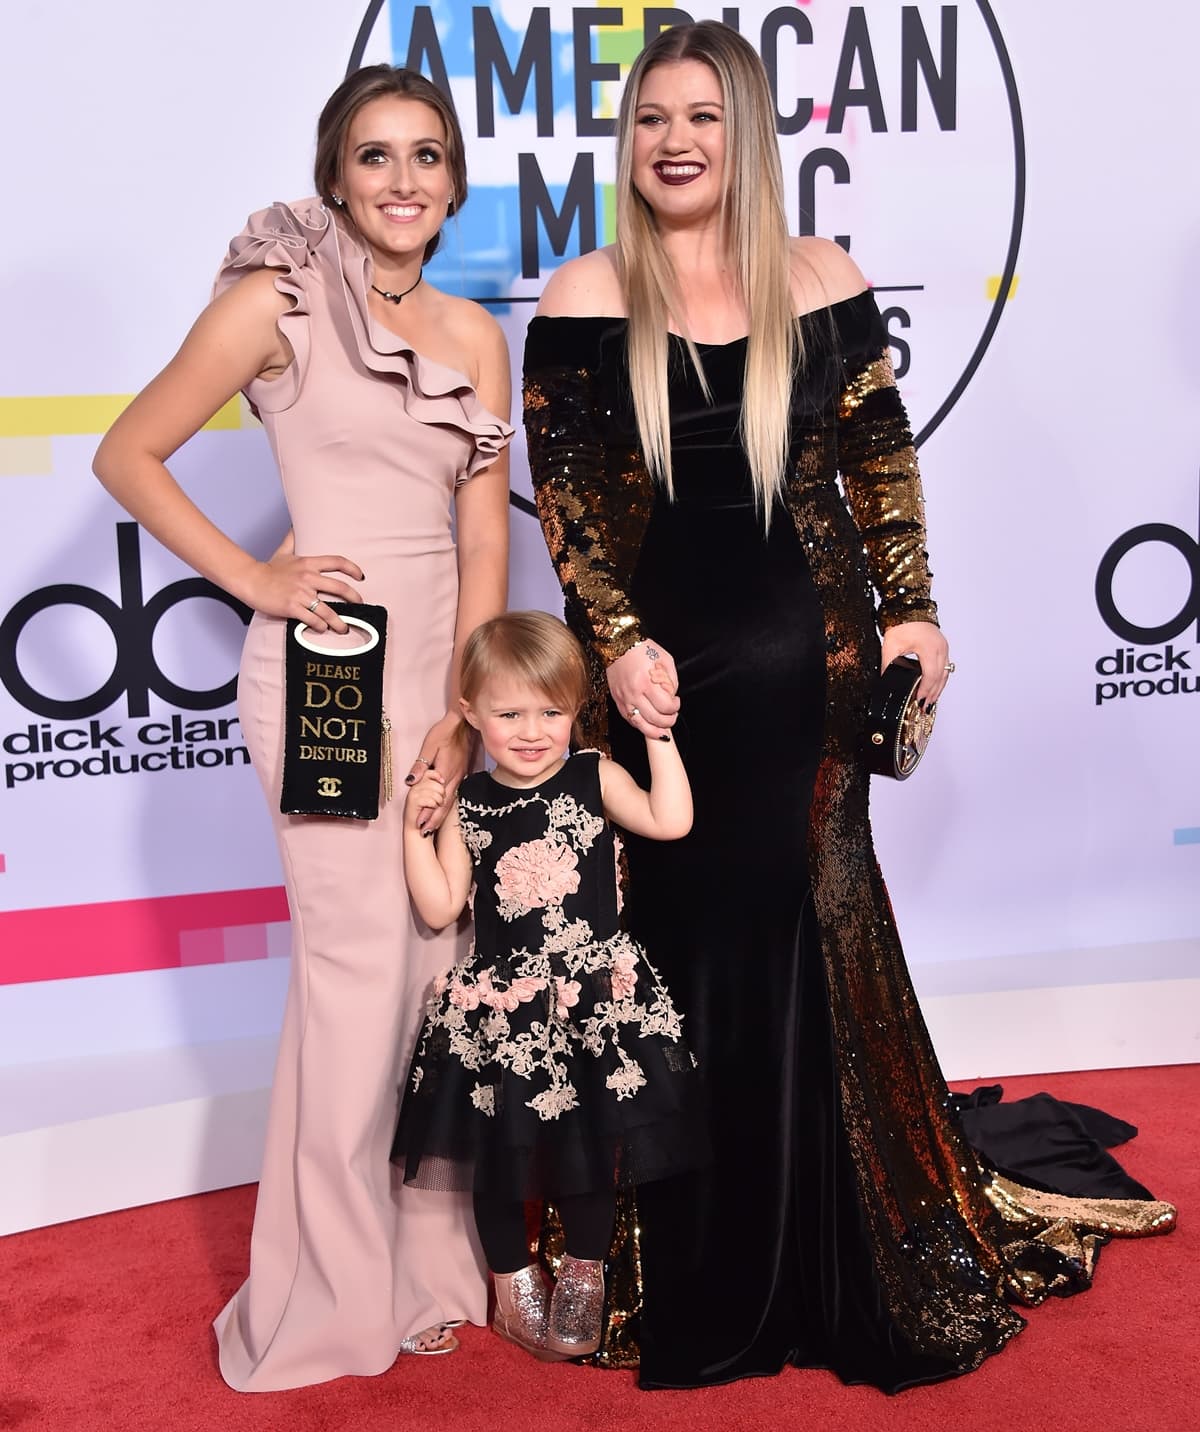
{"type": "Point", "coordinates": [878, 464]}
{"type": "Point", "coordinates": [587, 497]}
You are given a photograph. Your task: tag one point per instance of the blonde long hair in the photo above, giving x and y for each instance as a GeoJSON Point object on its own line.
{"type": "Point", "coordinates": [755, 238]}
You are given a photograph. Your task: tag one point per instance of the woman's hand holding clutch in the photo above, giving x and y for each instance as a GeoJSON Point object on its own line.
{"type": "Point", "coordinates": [925, 641]}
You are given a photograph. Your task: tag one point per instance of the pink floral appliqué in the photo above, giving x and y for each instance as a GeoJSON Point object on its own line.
{"type": "Point", "coordinates": [463, 996]}
{"type": "Point", "coordinates": [535, 874]}
{"type": "Point", "coordinates": [566, 994]}
{"type": "Point", "coordinates": [501, 999]}
{"type": "Point", "coordinates": [624, 974]}
{"type": "Point", "coordinates": [520, 991]}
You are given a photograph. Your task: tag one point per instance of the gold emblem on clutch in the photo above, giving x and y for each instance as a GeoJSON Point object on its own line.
{"type": "Point", "coordinates": [329, 786]}
{"type": "Point", "coordinates": [916, 727]}
{"type": "Point", "coordinates": [898, 725]}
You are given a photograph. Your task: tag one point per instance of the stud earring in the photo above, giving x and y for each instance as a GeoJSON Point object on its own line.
{"type": "Point", "coordinates": [339, 201]}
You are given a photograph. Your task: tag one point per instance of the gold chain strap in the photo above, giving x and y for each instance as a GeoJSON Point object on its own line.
{"type": "Point", "coordinates": [387, 757]}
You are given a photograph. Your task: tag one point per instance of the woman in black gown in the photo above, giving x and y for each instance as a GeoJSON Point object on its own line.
{"type": "Point", "coordinates": [845, 1222]}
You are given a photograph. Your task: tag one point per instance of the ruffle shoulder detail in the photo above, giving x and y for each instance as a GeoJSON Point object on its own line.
{"type": "Point", "coordinates": [309, 249]}
{"type": "Point", "coordinates": [285, 238]}
{"type": "Point", "coordinates": [433, 394]}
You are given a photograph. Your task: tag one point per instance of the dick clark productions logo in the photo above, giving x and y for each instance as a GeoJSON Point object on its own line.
{"type": "Point", "coordinates": [1128, 671]}
{"type": "Point", "coordinates": [99, 748]}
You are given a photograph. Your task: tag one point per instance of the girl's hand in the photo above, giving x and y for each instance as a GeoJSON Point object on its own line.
{"type": "Point", "coordinates": [425, 799]}
{"type": "Point", "coordinates": [926, 642]}
{"type": "Point", "coordinates": [446, 749]}
{"type": "Point", "coordinates": [644, 683]}
{"type": "Point", "coordinates": [287, 586]}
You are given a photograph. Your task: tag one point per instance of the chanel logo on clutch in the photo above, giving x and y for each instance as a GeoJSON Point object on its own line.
{"type": "Point", "coordinates": [329, 786]}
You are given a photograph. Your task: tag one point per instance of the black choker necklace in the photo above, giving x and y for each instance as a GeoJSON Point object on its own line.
{"type": "Point", "coordinates": [396, 297]}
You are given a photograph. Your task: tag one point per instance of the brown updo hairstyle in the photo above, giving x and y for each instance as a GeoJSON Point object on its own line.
{"type": "Point", "coordinates": [533, 648]}
{"type": "Point", "coordinates": [380, 82]}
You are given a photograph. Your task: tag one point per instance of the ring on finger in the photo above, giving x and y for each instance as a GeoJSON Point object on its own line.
{"type": "Point", "coordinates": [421, 761]}
{"type": "Point", "coordinates": [949, 666]}
{"type": "Point", "coordinates": [314, 604]}
{"type": "Point", "coordinates": [633, 711]}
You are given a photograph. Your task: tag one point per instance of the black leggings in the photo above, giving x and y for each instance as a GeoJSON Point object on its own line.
{"type": "Point", "coordinates": [587, 1221]}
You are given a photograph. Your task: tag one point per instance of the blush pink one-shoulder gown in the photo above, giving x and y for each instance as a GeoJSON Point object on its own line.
{"type": "Point", "coordinates": [371, 439]}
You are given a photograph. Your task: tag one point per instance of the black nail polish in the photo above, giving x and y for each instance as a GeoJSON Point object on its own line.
{"type": "Point", "coordinates": [664, 738]}
{"type": "Point", "coordinates": [409, 779]}
{"type": "Point", "coordinates": [426, 834]}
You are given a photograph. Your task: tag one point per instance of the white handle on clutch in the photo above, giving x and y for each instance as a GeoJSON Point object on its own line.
{"type": "Point", "coordinates": [340, 651]}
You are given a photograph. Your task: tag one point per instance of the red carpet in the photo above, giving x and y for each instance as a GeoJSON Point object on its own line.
{"type": "Point", "coordinates": [103, 1328]}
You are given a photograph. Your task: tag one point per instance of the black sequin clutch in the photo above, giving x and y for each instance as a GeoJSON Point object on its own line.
{"type": "Point", "coordinates": [898, 725]}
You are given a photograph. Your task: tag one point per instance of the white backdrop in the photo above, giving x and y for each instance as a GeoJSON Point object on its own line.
{"type": "Point", "coordinates": [1044, 862]}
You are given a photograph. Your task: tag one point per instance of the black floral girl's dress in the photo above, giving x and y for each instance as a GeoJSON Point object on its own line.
{"type": "Point", "coordinates": [552, 1061]}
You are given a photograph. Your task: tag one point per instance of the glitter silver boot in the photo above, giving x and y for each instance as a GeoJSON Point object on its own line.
{"type": "Point", "coordinates": [520, 1314]}
{"type": "Point", "coordinates": [577, 1307]}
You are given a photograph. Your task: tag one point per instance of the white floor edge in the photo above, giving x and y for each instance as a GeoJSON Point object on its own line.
{"type": "Point", "coordinates": [1056, 1029]}
{"type": "Point", "coordinates": [198, 1139]}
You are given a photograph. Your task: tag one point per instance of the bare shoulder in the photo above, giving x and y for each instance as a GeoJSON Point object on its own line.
{"type": "Point", "coordinates": [822, 273]}
{"type": "Point", "coordinates": [586, 287]}
{"type": "Point", "coordinates": [476, 343]}
{"type": "Point", "coordinates": [608, 772]}
{"type": "Point", "coordinates": [470, 330]}
{"type": "Point", "coordinates": [471, 324]}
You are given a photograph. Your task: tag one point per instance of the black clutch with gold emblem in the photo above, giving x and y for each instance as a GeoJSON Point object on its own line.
{"type": "Point", "coordinates": [898, 725]}
{"type": "Point", "coordinates": [335, 736]}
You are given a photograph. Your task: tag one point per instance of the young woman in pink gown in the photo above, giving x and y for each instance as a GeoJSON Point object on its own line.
{"type": "Point", "coordinates": [386, 405]}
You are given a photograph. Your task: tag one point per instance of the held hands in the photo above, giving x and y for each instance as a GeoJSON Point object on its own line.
{"type": "Point", "coordinates": [291, 586]}
{"type": "Point", "coordinates": [444, 753]}
{"type": "Point", "coordinates": [644, 684]}
{"type": "Point", "coordinates": [425, 804]}
{"type": "Point", "coordinates": [926, 642]}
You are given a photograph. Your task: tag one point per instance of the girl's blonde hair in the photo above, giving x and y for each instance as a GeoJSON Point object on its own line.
{"type": "Point", "coordinates": [754, 236]}
{"type": "Point", "coordinates": [531, 647]}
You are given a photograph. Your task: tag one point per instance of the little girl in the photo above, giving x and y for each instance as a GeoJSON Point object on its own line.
{"type": "Point", "coordinates": [551, 1064]}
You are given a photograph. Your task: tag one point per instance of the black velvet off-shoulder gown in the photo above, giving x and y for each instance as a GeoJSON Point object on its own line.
{"type": "Point", "coordinates": [845, 1221]}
